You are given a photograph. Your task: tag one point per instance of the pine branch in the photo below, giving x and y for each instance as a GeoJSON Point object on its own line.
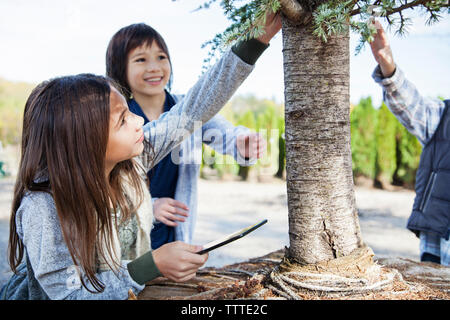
{"type": "Point", "coordinates": [405, 6]}
{"type": "Point", "coordinates": [328, 17]}
{"type": "Point", "coordinates": [325, 16]}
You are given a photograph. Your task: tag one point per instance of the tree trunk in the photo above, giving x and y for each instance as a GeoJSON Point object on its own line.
{"type": "Point", "coordinates": [323, 220]}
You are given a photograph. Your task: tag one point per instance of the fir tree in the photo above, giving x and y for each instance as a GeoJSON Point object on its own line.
{"type": "Point", "coordinates": [326, 251]}
{"type": "Point", "coordinates": [327, 17]}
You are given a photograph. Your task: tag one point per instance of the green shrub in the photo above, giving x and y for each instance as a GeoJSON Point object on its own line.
{"type": "Point", "coordinates": [13, 96]}
{"type": "Point", "coordinates": [363, 126]}
{"type": "Point", "coordinates": [408, 151]}
{"type": "Point", "coordinates": [386, 157]}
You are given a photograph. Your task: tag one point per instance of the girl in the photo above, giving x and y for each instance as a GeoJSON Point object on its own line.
{"type": "Point", "coordinates": [80, 219]}
{"type": "Point", "coordinates": [138, 59]}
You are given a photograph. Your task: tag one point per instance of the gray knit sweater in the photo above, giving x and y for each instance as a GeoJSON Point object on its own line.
{"type": "Point", "coordinates": [37, 220]}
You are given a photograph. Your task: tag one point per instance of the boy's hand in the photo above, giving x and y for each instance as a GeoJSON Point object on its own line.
{"type": "Point", "coordinates": [273, 25]}
{"type": "Point", "coordinates": [168, 211]}
{"type": "Point", "coordinates": [382, 51]}
{"type": "Point", "coordinates": [251, 145]}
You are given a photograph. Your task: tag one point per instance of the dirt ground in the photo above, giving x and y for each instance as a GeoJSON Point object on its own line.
{"type": "Point", "coordinates": [383, 216]}
{"type": "Point", "coordinates": [226, 206]}
{"type": "Point", "coordinates": [252, 279]}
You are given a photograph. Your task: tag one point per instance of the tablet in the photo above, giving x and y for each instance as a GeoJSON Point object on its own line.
{"type": "Point", "coordinates": [231, 237]}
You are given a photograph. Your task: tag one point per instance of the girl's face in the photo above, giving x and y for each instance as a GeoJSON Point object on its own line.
{"type": "Point", "coordinates": [148, 70]}
{"type": "Point", "coordinates": [126, 135]}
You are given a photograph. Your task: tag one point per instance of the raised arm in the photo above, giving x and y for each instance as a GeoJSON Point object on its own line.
{"type": "Point", "coordinates": [209, 94]}
{"type": "Point", "coordinates": [418, 114]}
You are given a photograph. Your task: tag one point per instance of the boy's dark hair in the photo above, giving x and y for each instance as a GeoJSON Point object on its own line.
{"type": "Point", "coordinates": [122, 43]}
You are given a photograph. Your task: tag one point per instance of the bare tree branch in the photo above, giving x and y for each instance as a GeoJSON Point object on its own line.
{"type": "Point", "coordinates": [406, 5]}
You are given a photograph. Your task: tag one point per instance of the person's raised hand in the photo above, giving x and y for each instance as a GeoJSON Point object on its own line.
{"type": "Point", "coordinates": [381, 51]}
{"type": "Point", "coordinates": [273, 25]}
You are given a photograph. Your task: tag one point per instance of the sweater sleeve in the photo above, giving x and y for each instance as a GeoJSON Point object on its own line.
{"type": "Point", "coordinates": [249, 50]}
{"type": "Point", "coordinates": [39, 228]}
{"type": "Point", "coordinates": [200, 104]}
{"type": "Point", "coordinates": [143, 269]}
{"type": "Point", "coordinates": [420, 115]}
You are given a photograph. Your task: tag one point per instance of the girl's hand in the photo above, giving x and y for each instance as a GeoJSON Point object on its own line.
{"type": "Point", "coordinates": [382, 51]}
{"type": "Point", "coordinates": [273, 25]}
{"type": "Point", "coordinates": [178, 261]}
{"type": "Point", "coordinates": [251, 145]}
{"type": "Point", "coordinates": [168, 211]}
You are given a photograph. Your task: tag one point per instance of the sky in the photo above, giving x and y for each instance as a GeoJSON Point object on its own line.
{"type": "Point", "coordinates": [41, 39]}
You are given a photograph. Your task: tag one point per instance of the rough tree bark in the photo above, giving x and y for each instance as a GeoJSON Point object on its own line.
{"type": "Point", "coordinates": [323, 221]}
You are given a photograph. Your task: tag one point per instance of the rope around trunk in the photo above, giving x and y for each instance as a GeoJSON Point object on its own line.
{"type": "Point", "coordinates": [353, 274]}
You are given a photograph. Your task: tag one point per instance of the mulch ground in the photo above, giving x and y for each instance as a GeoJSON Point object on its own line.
{"type": "Point", "coordinates": [248, 280]}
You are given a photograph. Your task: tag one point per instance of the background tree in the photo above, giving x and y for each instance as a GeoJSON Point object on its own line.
{"type": "Point", "coordinates": [323, 222]}
{"type": "Point", "coordinates": [408, 150]}
{"type": "Point", "coordinates": [12, 101]}
{"type": "Point", "coordinates": [363, 124]}
{"type": "Point", "coordinates": [386, 155]}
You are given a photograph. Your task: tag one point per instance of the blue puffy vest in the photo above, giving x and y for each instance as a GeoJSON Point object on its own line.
{"type": "Point", "coordinates": [431, 209]}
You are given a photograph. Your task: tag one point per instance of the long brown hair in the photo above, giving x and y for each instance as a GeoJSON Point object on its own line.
{"type": "Point", "coordinates": [64, 138]}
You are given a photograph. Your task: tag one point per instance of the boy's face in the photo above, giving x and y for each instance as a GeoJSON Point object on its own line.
{"type": "Point", "coordinates": [148, 70]}
{"type": "Point", "coordinates": [126, 135]}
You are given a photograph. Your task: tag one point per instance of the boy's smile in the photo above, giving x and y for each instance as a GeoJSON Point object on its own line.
{"type": "Point", "coordinates": [148, 70]}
